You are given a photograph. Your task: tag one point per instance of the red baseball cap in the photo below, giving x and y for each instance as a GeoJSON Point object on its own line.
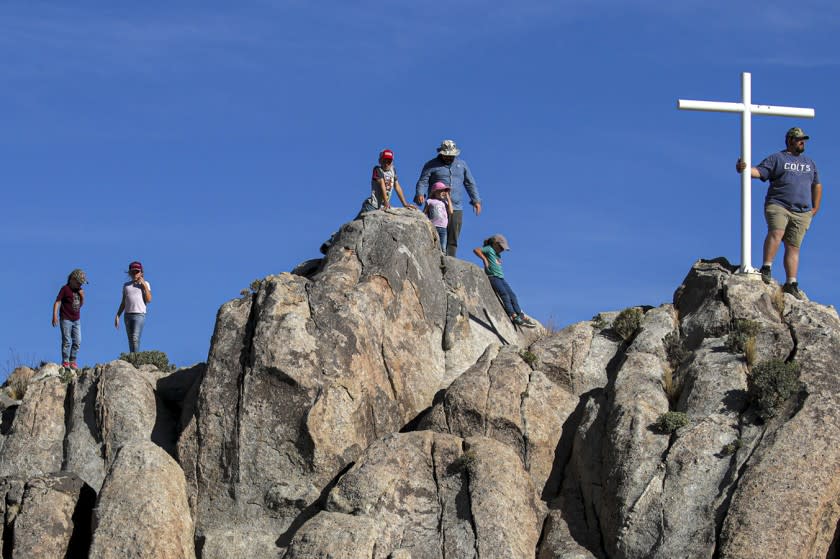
{"type": "Point", "coordinates": [135, 266]}
{"type": "Point", "coordinates": [386, 154]}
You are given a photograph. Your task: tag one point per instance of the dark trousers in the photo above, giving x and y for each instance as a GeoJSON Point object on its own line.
{"type": "Point", "coordinates": [506, 294]}
{"type": "Point", "coordinates": [453, 231]}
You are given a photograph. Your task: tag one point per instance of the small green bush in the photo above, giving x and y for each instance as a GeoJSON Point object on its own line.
{"type": "Point", "coordinates": [156, 358]}
{"type": "Point", "coordinates": [731, 448]}
{"type": "Point", "coordinates": [770, 384]}
{"type": "Point", "coordinates": [529, 357]}
{"type": "Point", "coordinates": [740, 333]}
{"type": "Point", "coordinates": [671, 421]}
{"type": "Point", "coordinates": [66, 375]}
{"type": "Point", "coordinates": [627, 322]}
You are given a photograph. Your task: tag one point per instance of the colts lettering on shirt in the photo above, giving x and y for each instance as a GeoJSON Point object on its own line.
{"type": "Point", "coordinates": [799, 167]}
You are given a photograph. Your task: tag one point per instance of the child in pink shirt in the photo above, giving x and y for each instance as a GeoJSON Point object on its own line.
{"type": "Point", "coordinates": [439, 208]}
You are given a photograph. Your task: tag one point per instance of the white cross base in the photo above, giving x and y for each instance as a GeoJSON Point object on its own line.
{"type": "Point", "coordinates": [747, 109]}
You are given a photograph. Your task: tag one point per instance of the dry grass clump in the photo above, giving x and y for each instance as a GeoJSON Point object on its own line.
{"type": "Point", "coordinates": [741, 339]}
{"type": "Point", "coordinates": [18, 382]}
{"type": "Point", "coordinates": [778, 300]}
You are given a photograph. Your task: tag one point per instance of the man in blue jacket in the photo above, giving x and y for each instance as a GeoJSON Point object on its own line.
{"type": "Point", "coordinates": [793, 198]}
{"type": "Point", "coordinates": [455, 174]}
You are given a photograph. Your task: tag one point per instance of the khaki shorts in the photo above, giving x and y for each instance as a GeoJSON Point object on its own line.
{"type": "Point", "coordinates": [794, 224]}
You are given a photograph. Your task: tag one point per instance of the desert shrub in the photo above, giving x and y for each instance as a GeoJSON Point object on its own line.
{"type": "Point", "coordinates": [778, 300]}
{"type": "Point", "coordinates": [770, 384]}
{"type": "Point", "coordinates": [529, 357]}
{"type": "Point", "coordinates": [731, 448]}
{"type": "Point", "coordinates": [66, 375]}
{"type": "Point", "coordinates": [18, 382]}
{"type": "Point", "coordinates": [156, 358]}
{"type": "Point", "coordinates": [671, 421]}
{"type": "Point", "coordinates": [741, 331]}
{"type": "Point", "coordinates": [670, 386]}
{"type": "Point", "coordinates": [627, 322]}
{"type": "Point", "coordinates": [750, 351]}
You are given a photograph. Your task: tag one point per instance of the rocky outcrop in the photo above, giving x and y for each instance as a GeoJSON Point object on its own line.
{"type": "Point", "coordinates": [142, 508]}
{"type": "Point", "coordinates": [341, 358]}
{"type": "Point", "coordinates": [426, 494]}
{"type": "Point", "coordinates": [54, 517]}
{"type": "Point", "coordinates": [34, 443]}
{"type": "Point", "coordinates": [378, 403]}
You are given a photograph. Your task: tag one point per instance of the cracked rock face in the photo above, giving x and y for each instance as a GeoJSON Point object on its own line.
{"type": "Point", "coordinates": [307, 372]}
{"type": "Point", "coordinates": [428, 494]}
{"type": "Point", "coordinates": [383, 406]}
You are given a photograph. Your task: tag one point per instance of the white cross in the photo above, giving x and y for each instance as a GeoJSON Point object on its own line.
{"type": "Point", "coordinates": [747, 109]}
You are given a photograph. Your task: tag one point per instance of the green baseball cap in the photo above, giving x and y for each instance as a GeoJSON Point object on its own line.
{"type": "Point", "coordinates": [796, 132]}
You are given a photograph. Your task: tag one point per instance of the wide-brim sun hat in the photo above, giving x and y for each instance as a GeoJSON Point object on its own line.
{"type": "Point", "coordinates": [501, 240]}
{"type": "Point", "coordinates": [448, 147]}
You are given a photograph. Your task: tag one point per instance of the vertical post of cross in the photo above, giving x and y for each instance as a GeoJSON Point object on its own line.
{"type": "Point", "coordinates": [747, 109]}
{"type": "Point", "coordinates": [746, 179]}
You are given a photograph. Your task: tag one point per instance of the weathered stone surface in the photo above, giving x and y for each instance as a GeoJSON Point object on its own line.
{"type": "Point", "coordinates": [429, 495]}
{"type": "Point", "coordinates": [34, 442]}
{"type": "Point", "coordinates": [83, 452]}
{"type": "Point", "coordinates": [699, 301]}
{"type": "Point", "coordinates": [787, 504]}
{"type": "Point", "coordinates": [354, 353]}
{"type": "Point", "coordinates": [501, 397]}
{"type": "Point", "coordinates": [633, 474]}
{"type": "Point", "coordinates": [125, 407]}
{"type": "Point", "coordinates": [333, 535]}
{"type": "Point", "coordinates": [577, 357]}
{"type": "Point", "coordinates": [558, 540]}
{"type": "Point", "coordinates": [142, 508]}
{"type": "Point", "coordinates": [380, 404]}
{"type": "Point", "coordinates": [54, 512]}
{"type": "Point", "coordinates": [748, 298]}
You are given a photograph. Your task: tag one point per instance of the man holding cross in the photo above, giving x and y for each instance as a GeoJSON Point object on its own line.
{"type": "Point", "coordinates": [792, 199]}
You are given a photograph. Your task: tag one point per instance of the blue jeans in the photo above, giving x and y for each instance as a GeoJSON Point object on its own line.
{"type": "Point", "coordinates": [442, 234]}
{"type": "Point", "coordinates": [71, 339]}
{"type": "Point", "coordinates": [134, 328]}
{"type": "Point", "coordinates": [506, 294]}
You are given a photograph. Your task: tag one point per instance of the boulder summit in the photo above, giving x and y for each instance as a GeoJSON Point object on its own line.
{"type": "Point", "coordinates": [379, 403]}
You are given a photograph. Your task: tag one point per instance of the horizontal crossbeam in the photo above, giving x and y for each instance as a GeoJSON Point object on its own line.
{"type": "Point", "coordinates": [723, 107]}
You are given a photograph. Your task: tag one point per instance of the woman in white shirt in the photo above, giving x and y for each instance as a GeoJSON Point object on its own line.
{"type": "Point", "coordinates": [136, 294]}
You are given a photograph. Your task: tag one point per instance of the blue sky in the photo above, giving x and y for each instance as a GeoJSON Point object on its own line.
{"type": "Point", "coordinates": [221, 142]}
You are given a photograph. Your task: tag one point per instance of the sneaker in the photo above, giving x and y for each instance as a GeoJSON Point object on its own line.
{"type": "Point", "coordinates": [766, 276]}
{"type": "Point", "coordinates": [793, 289]}
{"type": "Point", "coordinates": [66, 364]}
{"type": "Point", "coordinates": [521, 320]}
{"type": "Point", "coordinates": [527, 321]}
{"type": "Point", "coordinates": [74, 365]}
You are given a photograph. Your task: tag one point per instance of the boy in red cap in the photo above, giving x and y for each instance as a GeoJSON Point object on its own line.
{"type": "Point", "coordinates": [383, 181]}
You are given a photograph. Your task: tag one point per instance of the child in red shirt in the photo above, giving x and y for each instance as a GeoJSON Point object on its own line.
{"type": "Point", "coordinates": [67, 313]}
